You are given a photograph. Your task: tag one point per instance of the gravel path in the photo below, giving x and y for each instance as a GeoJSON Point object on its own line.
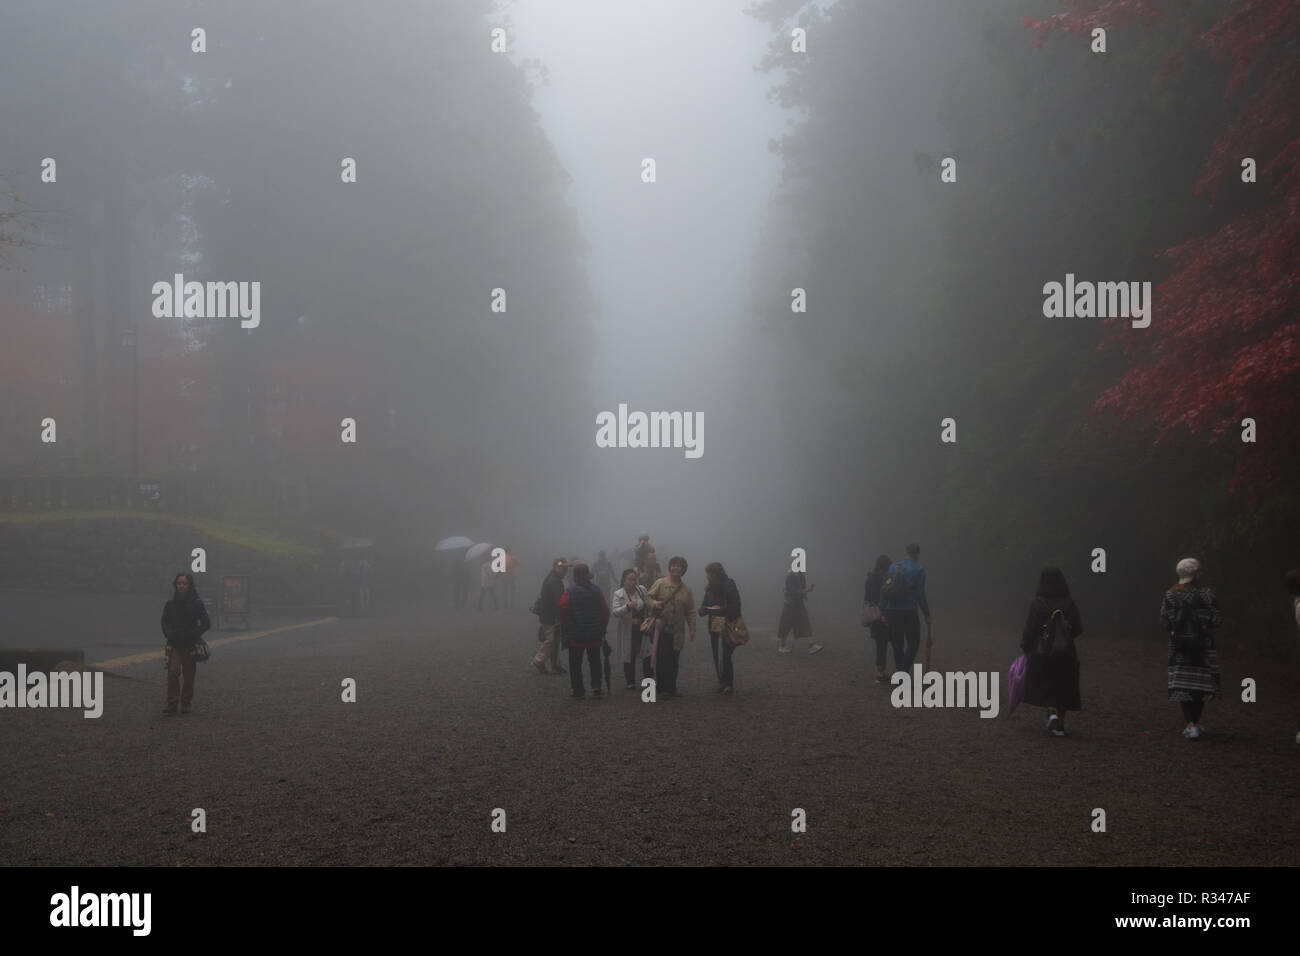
{"type": "Point", "coordinates": [451, 722]}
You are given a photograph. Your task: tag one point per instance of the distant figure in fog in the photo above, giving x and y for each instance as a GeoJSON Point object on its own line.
{"type": "Point", "coordinates": [1052, 671]}
{"type": "Point", "coordinates": [184, 621]}
{"type": "Point", "coordinates": [584, 616]}
{"type": "Point", "coordinates": [721, 604]}
{"type": "Point", "coordinates": [650, 570]}
{"type": "Point", "coordinates": [630, 609]}
{"type": "Point", "coordinates": [1190, 615]}
{"type": "Point", "coordinates": [548, 603]}
{"type": "Point", "coordinates": [879, 629]}
{"type": "Point", "coordinates": [603, 573]}
{"type": "Point", "coordinates": [901, 605]}
{"type": "Point", "coordinates": [509, 576]}
{"type": "Point", "coordinates": [643, 548]}
{"type": "Point", "coordinates": [794, 614]}
{"type": "Point", "coordinates": [568, 574]}
{"type": "Point", "coordinates": [487, 579]}
{"type": "Point", "coordinates": [463, 573]}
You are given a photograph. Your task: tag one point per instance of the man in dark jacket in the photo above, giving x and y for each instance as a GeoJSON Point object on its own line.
{"type": "Point", "coordinates": [547, 605]}
{"type": "Point", "coordinates": [584, 615]}
{"type": "Point", "coordinates": [184, 622]}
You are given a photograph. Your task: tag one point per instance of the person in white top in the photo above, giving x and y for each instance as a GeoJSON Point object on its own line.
{"type": "Point", "coordinates": [629, 610]}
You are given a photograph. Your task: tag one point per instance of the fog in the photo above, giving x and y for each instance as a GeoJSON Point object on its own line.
{"type": "Point", "coordinates": [523, 171]}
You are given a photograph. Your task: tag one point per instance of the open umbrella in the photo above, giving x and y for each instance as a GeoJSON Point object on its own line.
{"type": "Point", "coordinates": [453, 544]}
{"type": "Point", "coordinates": [478, 551]}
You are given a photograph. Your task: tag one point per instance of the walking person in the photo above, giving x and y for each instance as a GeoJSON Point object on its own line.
{"type": "Point", "coordinates": [184, 622]}
{"type": "Point", "coordinates": [879, 628]}
{"type": "Point", "coordinates": [673, 601]}
{"type": "Point", "coordinates": [650, 571]}
{"type": "Point", "coordinates": [509, 577]}
{"type": "Point", "coordinates": [903, 593]}
{"type": "Point", "coordinates": [794, 615]}
{"type": "Point", "coordinates": [602, 572]}
{"type": "Point", "coordinates": [721, 604]}
{"type": "Point", "coordinates": [1190, 614]}
{"type": "Point", "coordinates": [487, 580]}
{"type": "Point", "coordinates": [630, 604]}
{"type": "Point", "coordinates": [1052, 670]}
{"type": "Point", "coordinates": [548, 603]}
{"type": "Point", "coordinates": [584, 616]}
{"type": "Point", "coordinates": [642, 549]}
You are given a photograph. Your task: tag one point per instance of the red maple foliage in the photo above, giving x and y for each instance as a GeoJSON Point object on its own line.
{"type": "Point", "coordinates": [1226, 341]}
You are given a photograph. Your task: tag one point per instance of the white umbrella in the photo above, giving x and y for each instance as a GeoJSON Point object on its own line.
{"type": "Point", "coordinates": [452, 544]}
{"type": "Point", "coordinates": [478, 550]}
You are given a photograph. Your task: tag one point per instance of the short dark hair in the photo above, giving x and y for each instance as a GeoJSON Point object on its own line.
{"type": "Point", "coordinates": [715, 570]}
{"type": "Point", "coordinates": [913, 549]}
{"type": "Point", "coordinates": [626, 571]}
{"type": "Point", "coordinates": [188, 577]}
{"type": "Point", "coordinates": [883, 563]}
{"type": "Point", "coordinates": [581, 573]}
{"type": "Point", "coordinates": [1051, 583]}
{"type": "Point", "coordinates": [677, 559]}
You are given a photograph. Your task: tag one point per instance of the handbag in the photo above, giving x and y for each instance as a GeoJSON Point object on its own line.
{"type": "Point", "coordinates": [1016, 683]}
{"type": "Point", "coordinates": [870, 614]}
{"type": "Point", "coordinates": [737, 632]}
{"type": "Point", "coordinates": [200, 651]}
{"type": "Point", "coordinates": [647, 626]}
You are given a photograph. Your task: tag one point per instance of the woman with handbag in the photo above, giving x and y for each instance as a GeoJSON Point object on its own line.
{"type": "Point", "coordinates": [873, 618]}
{"type": "Point", "coordinates": [184, 622]}
{"type": "Point", "coordinates": [672, 602]}
{"type": "Point", "coordinates": [630, 609]}
{"type": "Point", "coordinates": [1052, 667]}
{"type": "Point", "coordinates": [1190, 614]}
{"type": "Point", "coordinates": [722, 607]}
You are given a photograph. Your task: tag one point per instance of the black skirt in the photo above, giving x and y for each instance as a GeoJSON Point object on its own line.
{"type": "Point", "coordinates": [1053, 680]}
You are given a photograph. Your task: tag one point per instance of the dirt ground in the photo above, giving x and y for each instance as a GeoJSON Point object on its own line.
{"type": "Point", "coordinates": [451, 722]}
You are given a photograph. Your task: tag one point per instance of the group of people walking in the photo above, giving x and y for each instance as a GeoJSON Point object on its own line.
{"type": "Point", "coordinates": [655, 617]}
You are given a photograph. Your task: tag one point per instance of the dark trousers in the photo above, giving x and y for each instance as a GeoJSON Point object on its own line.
{"type": "Point", "coordinates": [665, 668]}
{"type": "Point", "coordinates": [885, 637]}
{"type": "Point", "coordinates": [1192, 710]}
{"type": "Point", "coordinates": [905, 626]}
{"type": "Point", "coordinates": [722, 667]}
{"type": "Point", "coordinates": [575, 667]}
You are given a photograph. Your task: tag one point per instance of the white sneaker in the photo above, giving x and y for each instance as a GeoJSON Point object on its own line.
{"type": "Point", "coordinates": [1050, 719]}
{"type": "Point", "coordinates": [1057, 732]}
{"type": "Point", "coordinates": [1193, 733]}
{"type": "Point", "coordinates": [1188, 730]}
{"type": "Point", "coordinates": [814, 649]}
{"type": "Point", "coordinates": [784, 649]}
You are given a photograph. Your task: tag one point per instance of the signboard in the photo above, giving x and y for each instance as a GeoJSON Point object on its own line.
{"type": "Point", "coordinates": [234, 601]}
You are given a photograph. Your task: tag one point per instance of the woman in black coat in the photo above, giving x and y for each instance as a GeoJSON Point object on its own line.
{"type": "Point", "coordinates": [1052, 675]}
{"type": "Point", "coordinates": [879, 630]}
{"type": "Point", "coordinates": [721, 605]}
{"type": "Point", "coordinates": [184, 622]}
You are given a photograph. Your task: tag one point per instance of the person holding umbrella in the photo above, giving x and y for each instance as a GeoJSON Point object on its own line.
{"type": "Point", "coordinates": [583, 616]}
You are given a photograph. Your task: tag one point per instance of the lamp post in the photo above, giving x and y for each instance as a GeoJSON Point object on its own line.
{"type": "Point", "coordinates": [129, 341]}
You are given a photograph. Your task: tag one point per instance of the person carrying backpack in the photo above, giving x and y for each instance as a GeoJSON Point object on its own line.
{"type": "Point", "coordinates": [1052, 671]}
{"type": "Point", "coordinates": [902, 593]}
{"type": "Point", "coordinates": [1190, 614]}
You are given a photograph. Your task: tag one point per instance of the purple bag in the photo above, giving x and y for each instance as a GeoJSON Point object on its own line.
{"type": "Point", "coordinates": [1016, 683]}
